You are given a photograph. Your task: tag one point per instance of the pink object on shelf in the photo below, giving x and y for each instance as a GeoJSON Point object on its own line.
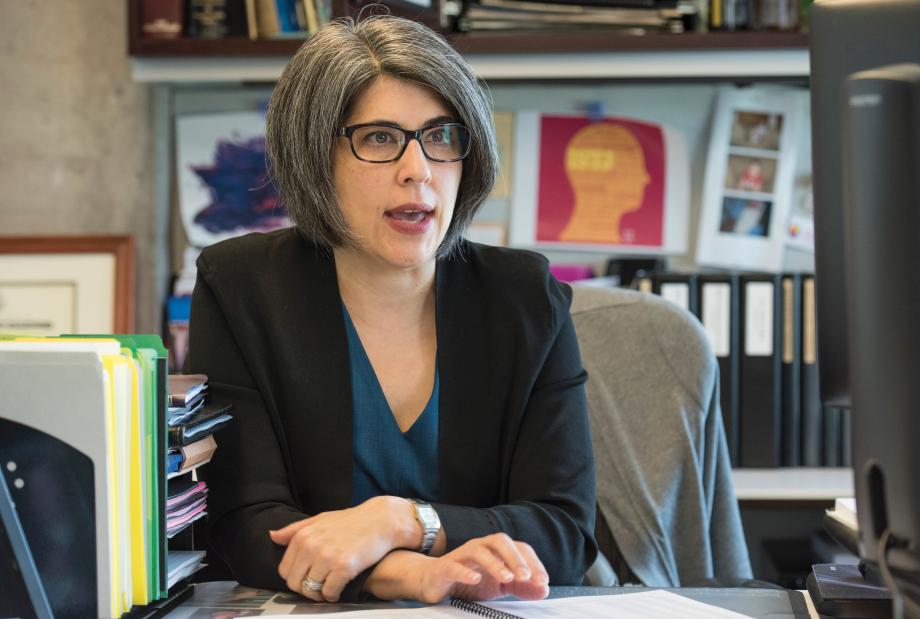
{"type": "Point", "coordinates": [571, 272]}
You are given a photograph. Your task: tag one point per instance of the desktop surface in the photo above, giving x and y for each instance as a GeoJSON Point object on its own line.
{"type": "Point", "coordinates": [222, 600]}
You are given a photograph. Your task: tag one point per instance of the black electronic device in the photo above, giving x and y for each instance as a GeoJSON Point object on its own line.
{"type": "Point", "coordinates": [865, 74]}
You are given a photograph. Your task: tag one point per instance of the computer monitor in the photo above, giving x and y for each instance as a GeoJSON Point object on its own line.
{"type": "Point", "coordinates": [865, 88]}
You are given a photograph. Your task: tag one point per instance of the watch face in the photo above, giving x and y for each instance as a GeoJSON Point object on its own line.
{"type": "Point", "coordinates": [428, 515]}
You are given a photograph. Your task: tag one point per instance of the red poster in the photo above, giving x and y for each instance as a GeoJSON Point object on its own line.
{"type": "Point", "coordinates": [601, 182]}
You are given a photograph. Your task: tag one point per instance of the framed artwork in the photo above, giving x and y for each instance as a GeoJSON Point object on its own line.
{"type": "Point", "coordinates": [224, 189]}
{"type": "Point", "coordinates": [750, 172]}
{"type": "Point", "coordinates": [607, 184]}
{"type": "Point", "coordinates": [51, 285]}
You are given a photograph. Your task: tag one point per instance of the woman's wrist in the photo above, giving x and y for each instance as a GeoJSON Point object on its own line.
{"type": "Point", "coordinates": [404, 529]}
{"type": "Point", "coordinates": [398, 576]}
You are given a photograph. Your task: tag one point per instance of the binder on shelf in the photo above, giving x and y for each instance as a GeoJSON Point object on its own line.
{"type": "Point", "coordinates": [761, 371]}
{"type": "Point", "coordinates": [678, 288]}
{"type": "Point", "coordinates": [791, 368]}
{"type": "Point", "coordinates": [719, 312]}
{"type": "Point", "coordinates": [832, 434]}
{"type": "Point", "coordinates": [811, 415]}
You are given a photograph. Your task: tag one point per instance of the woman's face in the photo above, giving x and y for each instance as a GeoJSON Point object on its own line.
{"type": "Point", "coordinates": [398, 211]}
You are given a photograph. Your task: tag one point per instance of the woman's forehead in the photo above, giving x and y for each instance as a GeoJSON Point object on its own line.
{"type": "Point", "coordinates": [405, 102]}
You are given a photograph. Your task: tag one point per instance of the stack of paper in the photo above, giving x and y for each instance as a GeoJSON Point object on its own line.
{"type": "Point", "coordinates": [185, 503]}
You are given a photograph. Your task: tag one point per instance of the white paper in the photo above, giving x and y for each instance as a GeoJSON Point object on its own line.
{"type": "Point", "coordinates": [640, 605]}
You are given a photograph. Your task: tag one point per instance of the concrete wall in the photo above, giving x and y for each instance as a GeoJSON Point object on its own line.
{"type": "Point", "coordinates": [75, 137]}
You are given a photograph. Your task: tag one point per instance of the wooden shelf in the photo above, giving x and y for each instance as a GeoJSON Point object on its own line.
{"type": "Point", "coordinates": [141, 47]}
{"type": "Point", "coordinates": [493, 43]}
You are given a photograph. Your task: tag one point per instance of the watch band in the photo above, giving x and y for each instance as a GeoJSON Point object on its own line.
{"type": "Point", "coordinates": [431, 524]}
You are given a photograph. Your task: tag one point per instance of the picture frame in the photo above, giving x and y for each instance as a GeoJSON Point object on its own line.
{"type": "Point", "coordinates": [750, 172]}
{"type": "Point", "coordinates": [51, 285]}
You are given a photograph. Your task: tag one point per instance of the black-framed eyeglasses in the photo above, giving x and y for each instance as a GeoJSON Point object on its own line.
{"type": "Point", "coordinates": [382, 143]}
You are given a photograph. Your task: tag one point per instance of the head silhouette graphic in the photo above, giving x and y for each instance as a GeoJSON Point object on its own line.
{"type": "Point", "coordinates": [605, 165]}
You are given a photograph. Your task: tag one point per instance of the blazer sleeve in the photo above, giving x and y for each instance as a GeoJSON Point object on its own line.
{"type": "Point", "coordinates": [551, 495]}
{"type": "Point", "coordinates": [249, 488]}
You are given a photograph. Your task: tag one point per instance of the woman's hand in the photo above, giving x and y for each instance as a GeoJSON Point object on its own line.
{"type": "Point", "coordinates": [332, 548]}
{"type": "Point", "coordinates": [484, 568]}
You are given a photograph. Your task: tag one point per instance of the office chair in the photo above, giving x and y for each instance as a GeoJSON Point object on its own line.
{"type": "Point", "coordinates": [667, 514]}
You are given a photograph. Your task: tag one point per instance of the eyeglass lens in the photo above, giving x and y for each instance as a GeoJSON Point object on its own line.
{"type": "Point", "coordinates": [382, 143]}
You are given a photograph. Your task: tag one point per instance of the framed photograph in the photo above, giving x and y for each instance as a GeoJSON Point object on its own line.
{"type": "Point", "coordinates": [605, 184]}
{"type": "Point", "coordinates": [66, 284]}
{"type": "Point", "coordinates": [748, 188]}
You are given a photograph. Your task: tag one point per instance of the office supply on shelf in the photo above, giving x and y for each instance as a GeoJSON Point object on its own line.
{"type": "Point", "coordinates": [761, 386]}
{"type": "Point", "coordinates": [205, 422]}
{"type": "Point", "coordinates": [185, 389]}
{"type": "Point", "coordinates": [720, 312]}
{"type": "Point", "coordinates": [812, 419]}
{"type": "Point", "coordinates": [181, 564]}
{"type": "Point", "coordinates": [791, 325]}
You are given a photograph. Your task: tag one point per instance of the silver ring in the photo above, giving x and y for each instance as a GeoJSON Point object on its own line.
{"type": "Point", "coordinates": [312, 585]}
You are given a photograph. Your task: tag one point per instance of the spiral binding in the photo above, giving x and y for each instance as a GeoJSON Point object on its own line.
{"type": "Point", "coordinates": [482, 611]}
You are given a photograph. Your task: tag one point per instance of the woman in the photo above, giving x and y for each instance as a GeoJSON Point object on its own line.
{"type": "Point", "coordinates": [410, 412]}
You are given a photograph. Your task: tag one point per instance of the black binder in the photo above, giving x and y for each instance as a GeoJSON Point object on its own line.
{"type": "Point", "coordinates": [761, 371]}
{"type": "Point", "coordinates": [678, 288]}
{"type": "Point", "coordinates": [719, 307]}
{"type": "Point", "coordinates": [812, 418]}
{"type": "Point", "coordinates": [792, 368]}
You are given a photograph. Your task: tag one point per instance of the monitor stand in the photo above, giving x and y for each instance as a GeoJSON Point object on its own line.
{"type": "Point", "coordinates": [848, 591]}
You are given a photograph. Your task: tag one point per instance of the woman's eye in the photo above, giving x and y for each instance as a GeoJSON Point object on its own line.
{"type": "Point", "coordinates": [380, 137]}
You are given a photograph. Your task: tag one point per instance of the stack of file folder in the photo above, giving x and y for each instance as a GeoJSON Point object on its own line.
{"type": "Point", "coordinates": [192, 422]}
{"type": "Point", "coordinates": [85, 421]}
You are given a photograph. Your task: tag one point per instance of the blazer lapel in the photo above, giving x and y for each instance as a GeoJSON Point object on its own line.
{"type": "Point", "coordinates": [321, 416]}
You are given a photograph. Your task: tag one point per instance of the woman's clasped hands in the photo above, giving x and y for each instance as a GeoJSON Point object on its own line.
{"type": "Point", "coordinates": [327, 551]}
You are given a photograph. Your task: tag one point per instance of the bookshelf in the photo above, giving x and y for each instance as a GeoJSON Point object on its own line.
{"type": "Point", "coordinates": [559, 55]}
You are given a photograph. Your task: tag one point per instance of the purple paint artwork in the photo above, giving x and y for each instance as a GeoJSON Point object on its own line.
{"type": "Point", "coordinates": [241, 195]}
{"type": "Point", "coordinates": [223, 183]}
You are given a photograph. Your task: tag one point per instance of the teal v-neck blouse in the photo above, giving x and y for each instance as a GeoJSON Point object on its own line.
{"type": "Point", "coordinates": [388, 461]}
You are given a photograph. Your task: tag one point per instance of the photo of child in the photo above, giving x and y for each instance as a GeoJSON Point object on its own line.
{"type": "Point", "coordinates": [747, 217]}
{"type": "Point", "coordinates": [756, 174]}
{"type": "Point", "coordinates": [756, 130]}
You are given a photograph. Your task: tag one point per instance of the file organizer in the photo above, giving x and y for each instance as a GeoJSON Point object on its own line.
{"type": "Point", "coordinates": [85, 417]}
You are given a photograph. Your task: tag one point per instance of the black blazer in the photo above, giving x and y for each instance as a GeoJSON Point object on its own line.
{"type": "Point", "coordinates": [514, 448]}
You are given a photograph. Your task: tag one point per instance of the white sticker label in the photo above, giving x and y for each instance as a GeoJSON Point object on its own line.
{"type": "Point", "coordinates": [717, 317]}
{"type": "Point", "coordinates": [676, 293]}
{"type": "Point", "coordinates": [758, 319]}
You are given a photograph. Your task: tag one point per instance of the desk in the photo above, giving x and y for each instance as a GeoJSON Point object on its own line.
{"type": "Point", "coordinates": [222, 600]}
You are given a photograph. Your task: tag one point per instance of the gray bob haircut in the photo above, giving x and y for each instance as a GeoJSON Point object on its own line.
{"type": "Point", "coordinates": [316, 90]}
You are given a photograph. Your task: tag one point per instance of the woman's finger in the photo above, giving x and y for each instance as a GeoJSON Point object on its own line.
{"type": "Point", "coordinates": [507, 550]}
{"type": "Point", "coordinates": [283, 536]}
{"type": "Point", "coordinates": [490, 562]}
{"type": "Point", "coordinates": [536, 566]}
{"type": "Point", "coordinates": [313, 583]}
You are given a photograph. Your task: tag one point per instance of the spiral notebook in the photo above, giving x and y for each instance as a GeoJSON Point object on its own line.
{"type": "Point", "coordinates": [640, 605]}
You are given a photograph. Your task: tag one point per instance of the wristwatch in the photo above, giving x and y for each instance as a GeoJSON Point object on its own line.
{"type": "Point", "coordinates": [431, 524]}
